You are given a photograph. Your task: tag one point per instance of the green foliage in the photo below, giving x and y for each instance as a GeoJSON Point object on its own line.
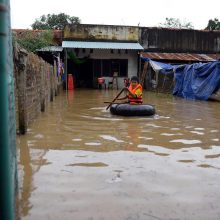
{"type": "Point", "coordinates": [213, 25]}
{"type": "Point", "coordinates": [176, 23]}
{"type": "Point", "coordinates": [77, 60]}
{"type": "Point", "coordinates": [31, 41]}
{"type": "Point", "coordinates": [55, 22]}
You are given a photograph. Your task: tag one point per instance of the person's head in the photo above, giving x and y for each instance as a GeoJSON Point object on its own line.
{"type": "Point", "coordinates": [134, 81]}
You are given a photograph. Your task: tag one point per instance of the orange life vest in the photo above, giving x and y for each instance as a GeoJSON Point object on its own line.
{"type": "Point", "coordinates": [136, 100]}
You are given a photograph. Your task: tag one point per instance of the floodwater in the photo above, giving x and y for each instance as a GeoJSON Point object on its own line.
{"type": "Point", "coordinates": [77, 161]}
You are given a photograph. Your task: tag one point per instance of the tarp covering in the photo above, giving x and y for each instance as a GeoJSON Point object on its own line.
{"type": "Point", "coordinates": [197, 81]}
{"type": "Point", "coordinates": [192, 81]}
{"type": "Point", "coordinates": [160, 67]}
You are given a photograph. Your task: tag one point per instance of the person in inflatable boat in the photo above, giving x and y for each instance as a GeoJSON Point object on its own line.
{"type": "Point", "coordinates": [134, 92]}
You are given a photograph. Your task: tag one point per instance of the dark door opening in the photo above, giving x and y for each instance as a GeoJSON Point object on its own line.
{"type": "Point", "coordinates": [82, 73]}
{"type": "Point", "coordinates": [86, 74]}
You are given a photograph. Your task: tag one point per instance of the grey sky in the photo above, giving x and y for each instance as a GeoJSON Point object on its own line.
{"type": "Point", "coordinates": [117, 12]}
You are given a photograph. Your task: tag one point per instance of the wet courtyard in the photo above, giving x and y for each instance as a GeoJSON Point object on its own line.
{"type": "Point", "coordinates": [78, 161]}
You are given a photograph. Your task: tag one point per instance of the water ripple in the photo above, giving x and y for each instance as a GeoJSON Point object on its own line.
{"type": "Point", "coordinates": [185, 141]}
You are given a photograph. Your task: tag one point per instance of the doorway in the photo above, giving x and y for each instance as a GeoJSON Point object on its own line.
{"type": "Point", "coordinates": [82, 73]}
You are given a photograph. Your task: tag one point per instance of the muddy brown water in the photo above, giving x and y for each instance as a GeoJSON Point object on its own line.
{"type": "Point", "coordinates": [77, 161]}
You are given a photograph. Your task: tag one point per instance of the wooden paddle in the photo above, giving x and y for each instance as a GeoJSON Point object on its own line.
{"type": "Point", "coordinates": [115, 99]}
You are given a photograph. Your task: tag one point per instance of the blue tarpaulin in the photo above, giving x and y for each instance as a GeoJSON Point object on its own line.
{"type": "Point", "coordinates": [193, 81]}
{"type": "Point", "coordinates": [158, 66]}
{"type": "Point", "coordinates": [197, 81]}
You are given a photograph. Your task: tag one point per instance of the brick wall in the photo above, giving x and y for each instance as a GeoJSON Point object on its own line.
{"type": "Point", "coordinates": [36, 86]}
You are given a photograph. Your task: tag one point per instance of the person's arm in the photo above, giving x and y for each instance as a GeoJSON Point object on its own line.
{"type": "Point", "coordinates": [132, 94]}
{"type": "Point", "coordinates": [125, 97]}
{"type": "Point", "coordinates": [137, 94]}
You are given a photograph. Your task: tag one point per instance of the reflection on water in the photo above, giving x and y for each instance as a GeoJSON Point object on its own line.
{"type": "Point", "coordinates": [69, 158]}
{"type": "Point", "coordinates": [212, 156]}
{"type": "Point", "coordinates": [98, 164]}
{"type": "Point", "coordinates": [208, 166]}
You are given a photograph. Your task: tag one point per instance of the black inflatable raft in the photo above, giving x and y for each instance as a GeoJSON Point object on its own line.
{"type": "Point", "coordinates": [132, 110]}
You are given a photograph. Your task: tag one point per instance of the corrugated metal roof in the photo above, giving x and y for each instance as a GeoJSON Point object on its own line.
{"type": "Point", "coordinates": [51, 49]}
{"type": "Point", "coordinates": [101, 45]}
{"type": "Point", "coordinates": [180, 56]}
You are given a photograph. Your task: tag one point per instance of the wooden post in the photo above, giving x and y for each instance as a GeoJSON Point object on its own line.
{"type": "Point", "coordinates": [21, 85]}
{"type": "Point", "coordinates": [42, 86]}
{"type": "Point", "coordinates": [144, 72]}
{"type": "Point", "coordinates": [139, 65]}
{"type": "Point", "coordinates": [55, 77]}
{"type": "Point", "coordinates": [51, 83]}
{"type": "Point", "coordinates": [65, 67]}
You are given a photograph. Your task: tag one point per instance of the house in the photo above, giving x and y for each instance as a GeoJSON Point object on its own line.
{"type": "Point", "coordinates": [107, 51]}
{"type": "Point", "coordinates": [176, 47]}
{"type": "Point", "coordinates": [114, 52]}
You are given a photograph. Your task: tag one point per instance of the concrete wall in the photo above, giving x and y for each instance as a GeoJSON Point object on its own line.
{"type": "Point", "coordinates": [152, 39]}
{"type": "Point", "coordinates": [36, 85]}
{"type": "Point", "coordinates": [179, 40]}
{"type": "Point", "coordinates": [101, 32]}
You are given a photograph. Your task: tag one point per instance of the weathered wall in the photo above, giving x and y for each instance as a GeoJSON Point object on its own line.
{"type": "Point", "coordinates": [39, 74]}
{"type": "Point", "coordinates": [179, 40]}
{"type": "Point", "coordinates": [36, 85]}
{"type": "Point", "coordinates": [152, 39]}
{"type": "Point", "coordinates": [101, 32]}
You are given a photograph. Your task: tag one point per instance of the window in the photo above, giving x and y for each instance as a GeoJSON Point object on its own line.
{"type": "Point", "coordinates": [107, 67]}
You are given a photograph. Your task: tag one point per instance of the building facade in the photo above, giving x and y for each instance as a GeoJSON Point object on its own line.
{"type": "Point", "coordinates": [101, 51]}
{"type": "Point", "coordinates": [94, 51]}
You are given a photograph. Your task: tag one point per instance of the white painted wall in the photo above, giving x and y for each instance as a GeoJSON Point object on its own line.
{"type": "Point", "coordinates": [106, 54]}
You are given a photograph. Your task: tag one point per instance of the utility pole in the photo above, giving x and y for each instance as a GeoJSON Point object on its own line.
{"type": "Point", "coordinates": [7, 118]}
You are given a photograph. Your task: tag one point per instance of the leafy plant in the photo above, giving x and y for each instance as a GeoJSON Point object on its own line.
{"type": "Point", "coordinates": [176, 23]}
{"type": "Point", "coordinates": [32, 40]}
{"type": "Point", "coordinates": [54, 21]}
{"type": "Point", "coordinates": [213, 24]}
{"type": "Point", "coordinates": [77, 60]}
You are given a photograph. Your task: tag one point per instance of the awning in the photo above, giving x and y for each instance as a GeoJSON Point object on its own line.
{"type": "Point", "coordinates": [51, 49]}
{"type": "Point", "coordinates": [101, 45]}
{"type": "Point", "coordinates": [181, 56]}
